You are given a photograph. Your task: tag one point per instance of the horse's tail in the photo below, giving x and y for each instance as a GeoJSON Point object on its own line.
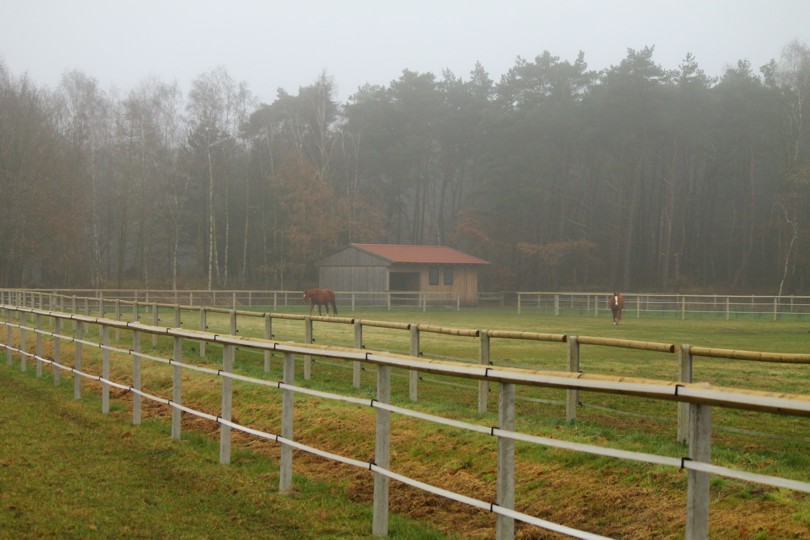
{"type": "Point", "coordinates": [332, 299]}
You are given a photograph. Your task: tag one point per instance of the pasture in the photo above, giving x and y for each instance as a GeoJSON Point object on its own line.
{"type": "Point", "coordinates": [598, 494]}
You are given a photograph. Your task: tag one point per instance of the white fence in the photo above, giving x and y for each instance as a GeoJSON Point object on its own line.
{"type": "Point", "coordinates": [698, 399]}
{"type": "Point", "coordinates": [678, 305]}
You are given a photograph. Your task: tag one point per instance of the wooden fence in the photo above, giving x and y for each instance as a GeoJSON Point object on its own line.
{"type": "Point", "coordinates": [698, 400]}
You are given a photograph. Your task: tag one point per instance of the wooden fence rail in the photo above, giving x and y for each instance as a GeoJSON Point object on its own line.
{"type": "Point", "coordinates": [699, 399]}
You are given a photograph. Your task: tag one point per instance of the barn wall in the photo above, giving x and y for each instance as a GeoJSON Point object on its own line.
{"type": "Point", "coordinates": [353, 278]}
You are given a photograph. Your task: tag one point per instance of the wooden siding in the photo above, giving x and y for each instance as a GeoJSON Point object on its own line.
{"type": "Point", "coordinates": [353, 278]}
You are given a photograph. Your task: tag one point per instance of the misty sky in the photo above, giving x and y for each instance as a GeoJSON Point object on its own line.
{"type": "Point", "coordinates": [271, 44]}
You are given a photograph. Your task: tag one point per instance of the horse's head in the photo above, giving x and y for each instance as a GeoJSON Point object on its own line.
{"type": "Point", "coordinates": [305, 298]}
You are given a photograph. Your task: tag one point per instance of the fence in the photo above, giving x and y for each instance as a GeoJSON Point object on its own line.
{"type": "Point", "coordinates": [102, 305]}
{"type": "Point", "coordinates": [238, 298]}
{"type": "Point", "coordinates": [678, 305]}
{"type": "Point", "coordinates": [699, 401]}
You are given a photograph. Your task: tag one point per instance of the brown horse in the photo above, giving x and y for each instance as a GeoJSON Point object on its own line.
{"type": "Point", "coordinates": [320, 297]}
{"type": "Point", "coordinates": [616, 306]}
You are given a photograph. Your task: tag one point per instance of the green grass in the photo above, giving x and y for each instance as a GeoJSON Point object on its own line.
{"type": "Point", "coordinates": [602, 495]}
{"type": "Point", "coordinates": [67, 471]}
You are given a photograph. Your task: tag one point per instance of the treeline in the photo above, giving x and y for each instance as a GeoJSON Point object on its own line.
{"type": "Point", "coordinates": [635, 177]}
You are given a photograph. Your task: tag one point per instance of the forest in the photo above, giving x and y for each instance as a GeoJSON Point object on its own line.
{"type": "Point", "coordinates": [636, 177]}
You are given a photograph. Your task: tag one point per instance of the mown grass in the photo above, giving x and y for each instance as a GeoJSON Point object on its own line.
{"type": "Point", "coordinates": [611, 497]}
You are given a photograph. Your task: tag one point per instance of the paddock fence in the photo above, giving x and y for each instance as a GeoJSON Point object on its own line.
{"type": "Point", "coordinates": [680, 306]}
{"type": "Point", "coordinates": [190, 315]}
{"type": "Point", "coordinates": [699, 400]}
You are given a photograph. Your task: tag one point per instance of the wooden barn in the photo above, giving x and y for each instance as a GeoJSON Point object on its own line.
{"type": "Point", "coordinates": [402, 268]}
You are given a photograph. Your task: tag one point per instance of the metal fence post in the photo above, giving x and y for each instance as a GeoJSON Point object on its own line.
{"type": "Point", "coordinates": [9, 338]}
{"type": "Point", "coordinates": [572, 394]}
{"type": "Point", "coordinates": [155, 322]}
{"type": "Point", "coordinates": [504, 525]}
{"type": "Point", "coordinates": [382, 454]}
{"type": "Point", "coordinates": [287, 404]}
{"type": "Point", "coordinates": [697, 498]}
{"type": "Point", "coordinates": [227, 403]}
{"type": "Point", "coordinates": [177, 379]}
{"type": "Point", "coordinates": [23, 345]}
{"type": "Point", "coordinates": [413, 375]}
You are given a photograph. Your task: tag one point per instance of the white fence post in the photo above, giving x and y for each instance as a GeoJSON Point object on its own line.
{"type": "Point", "coordinates": [9, 338]}
{"type": "Point", "coordinates": [358, 343]}
{"type": "Point", "coordinates": [268, 334]}
{"type": "Point", "coordinates": [685, 376]}
{"type": "Point", "coordinates": [484, 358]}
{"type": "Point", "coordinates": [382, 454]}
{"type": "Point", "coordinates": [176, 388]}
{"type": "Point", "coordinates": [23, 345]}
{"type": "Point", "coordinates": [203, 328]}
{"type": "Point", "coordinates": [136, 377]}
{"type": "Point", "coordinates": [227, 403]}
{"type": "Point", "coordinates": [504, 525]}
{"type": "Point", "coordinates": [287, 404]}
{"type": "Point", "coordinates": [105, 368]}
{"type": "Point", "coordinates": [57, 351]}
{"type": "Point", "coordinates": [697, 497]}
{"type": "Point", "coordinates": [572, 395]}
{"type": "Point", "coordinates": [308, 340]}
{"type": "Point", "coordinates": [155, 322]}
{"type": "Point", "coordinates": [77, 360]}
{"type": "Point", "coordinates": [38, 347]}
{"type": "Point", "coordinates": [413, 379]}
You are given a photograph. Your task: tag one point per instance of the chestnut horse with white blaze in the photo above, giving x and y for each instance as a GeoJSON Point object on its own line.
{"type": "Point", "coordinates": [320, 297]}
{"type": "Point", "coordinates": [616, 306]}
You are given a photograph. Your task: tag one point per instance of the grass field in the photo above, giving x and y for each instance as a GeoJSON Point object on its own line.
{"type": "Point", "coordinates": [601, 495]}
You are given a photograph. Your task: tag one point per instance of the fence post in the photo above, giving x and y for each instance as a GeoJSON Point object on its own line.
{"type": "Point", "coordinates": [23, 344]}
{"type": "Point", "coordinates": [287, 404]}
{"type": "Point", "coordinates": [77, 360]}
{"type": "Point", "coordinates": [685, 376]}
{"type": "Point", "coordinates": [136, 377]}
{"type": "Point", "coordinates": [203, 328]}
{"type": "Point", "coordinates": [556, 305]}
{"type": "Point", "coordinates": [9, 338]}
{"type": "Point", "coordinates": [308, 340]}
{"type": "Point", "coordinates": [382, 454]}
{"type": "Point", "coordinates": [505, 526]}
{"type": "Point", "coordinates": [518, 303]}
{"type": "Point", "coordinates": [697, 498]}
{"type": "Point", "coordinates": [268, 334]}
{"type": "Point", "coordinates": [38, 347]}
{"type": "Point", "coordinates": [234, 325]}
{"type": "Point", "coordinates": [105, 368]}
{"type": "Point", "coordinates": [572, 394]}
{"type": "Point", "coordinates": [117, 303]}
{"type": "Point", "coordinates": [227, 403]}
{"type": "Point", "coordinates": [358, 344]}
{"type": "Point", "coordinates": [155, 322]}
{"type": "Point", "coordinates": [484, 359]}
{"type": "Point", "coordinates": [178, 319]}
{"type": "Point", "coordinates": [57, 351]}
{"type": "Point", "coordinates": [413, 379]}
{"type": "Point", "coordinates": [177, 379]}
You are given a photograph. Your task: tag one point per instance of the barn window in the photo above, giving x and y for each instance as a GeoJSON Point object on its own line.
{"type": "Point", "coordinates": [448, 276]}
{"type": "Point", "coordinates": [433, 275]}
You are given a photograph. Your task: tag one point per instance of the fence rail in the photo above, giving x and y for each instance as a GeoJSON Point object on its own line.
{"type": "Point", "coordinates": [698, 399]}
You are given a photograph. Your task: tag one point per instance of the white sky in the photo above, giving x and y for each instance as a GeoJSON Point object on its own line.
{"type": "Point", "coordinates": [271, 44]}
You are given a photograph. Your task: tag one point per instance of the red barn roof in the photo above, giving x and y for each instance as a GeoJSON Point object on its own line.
{"type": "Point", "coordinates": [398, 253]}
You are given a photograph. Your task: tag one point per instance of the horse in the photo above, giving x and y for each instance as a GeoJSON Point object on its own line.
{"type": "Point", "coordinates": [616, 306]}
{"type": "Point", "coordinates": [320, 297]}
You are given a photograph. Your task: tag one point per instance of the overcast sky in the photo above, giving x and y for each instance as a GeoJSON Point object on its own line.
{"type": "Point", "coordinates": [274, 44]}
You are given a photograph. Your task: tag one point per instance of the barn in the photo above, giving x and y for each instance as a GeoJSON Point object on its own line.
{"type": "Point", "coordinates": [402, 268]}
